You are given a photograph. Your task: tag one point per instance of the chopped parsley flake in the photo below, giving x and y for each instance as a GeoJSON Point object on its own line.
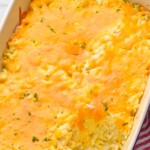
{"type": "Point", "coordinates": [35, 139]}
{"type": "Point", "coordinates": [25, 95]}
{"type": "Point", "coordinates": [118, 10]}
{"type": "Point", "coordinates": [42, 19]}
{"type": "Point", "coordinates": [47, 139]}
{"type": "Point", "coordinates": [83, 45]}
{"type": "Point", "coordinates": [51, 28]}
{"type": "Point", "coordinates": [91, 92]}
{"type": "Point", "coordinates": [15, 134]}
{"type": "Point", "coordinates": [36, 99]}
{"type": "Point", "coordinates": [124, 124]}
{"type": "Point", "coordinates": [29, 113]}
{"type": "Point", "coordinates": [105, 106]}
{"type": "Point", "coordinates": [33, 41]}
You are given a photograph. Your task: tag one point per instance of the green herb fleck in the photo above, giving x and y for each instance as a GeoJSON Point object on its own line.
{"type": "Point", "coordinates": [105, 106]}
{"type": "Point", "coordinates": [29, 113]}
{"type": "Point", "coordinates": [47, 139]}
{"type": "Point", "coordinates": [42, 19]}
{"type": "Point", "coordinates": [51, 28]}
{"type": "Point", "coordinates": [97, 12]}
{"type": "Point", "coordinates": [18, 118]}
{"type": "Point", "coordinates": [91, 92]}
{"type": "Point", "coordinates": [33, 41]}
{"type": "Point", "coordinates": [124, 124]}
{"type": "Point", "coordinates": [83, 45]}
{"type": "Point", "coordinates": [35, 139]}
{"type": "Point", "coordinates": [25, 95]}
{"type": "Point", "coordinates": [36, 99]}
{"type": "Point", "coordinates": [81, 6]}
{"type": "Point", "coordinates": [15, 134]}
{"type": "Point", "coordinates": [118, 10]}
{"type": "Point", "coordinates": [47, 76]}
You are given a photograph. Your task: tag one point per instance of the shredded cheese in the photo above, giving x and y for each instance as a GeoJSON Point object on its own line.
{"type": "Point", "coordinates": [74, 74]}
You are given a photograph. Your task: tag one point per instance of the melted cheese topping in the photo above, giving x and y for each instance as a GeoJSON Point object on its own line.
{"type": "Point", "coordinates": [74, 74]}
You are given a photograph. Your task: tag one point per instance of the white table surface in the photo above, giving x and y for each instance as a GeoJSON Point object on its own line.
{"type": "Point", "coordinates": [3, 7]}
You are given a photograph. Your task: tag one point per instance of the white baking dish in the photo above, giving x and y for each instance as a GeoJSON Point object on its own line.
{"type": "Point", "coordinates": [11, 19]}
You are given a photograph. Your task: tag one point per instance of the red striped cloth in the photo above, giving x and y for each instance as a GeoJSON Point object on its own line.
{"type": "Point", "coordinates": [143, 141]}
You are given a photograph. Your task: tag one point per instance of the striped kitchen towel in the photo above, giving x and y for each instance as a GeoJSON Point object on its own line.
{"type": "Point", "coordinates": [143, 141]}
